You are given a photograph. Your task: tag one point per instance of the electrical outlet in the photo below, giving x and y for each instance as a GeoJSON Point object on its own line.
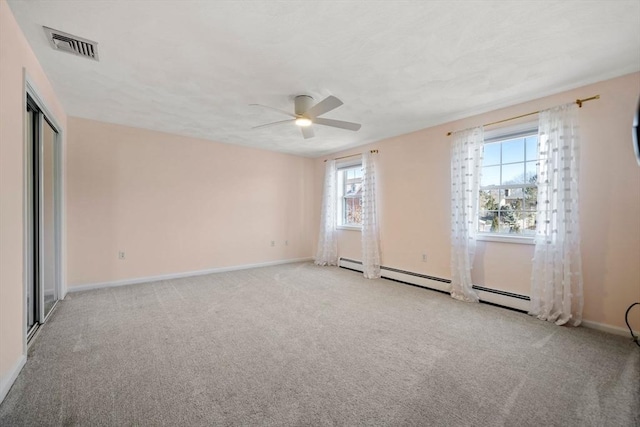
{"type": "Point", "coordinates": [424, 257]}
{"type": "Point", "coordinates": [121, 255]}
{"type": "Point", "coordinates": [273, 243]}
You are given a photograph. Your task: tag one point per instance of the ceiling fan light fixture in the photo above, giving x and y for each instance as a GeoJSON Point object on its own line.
{"type": "Point", "coordinates": [305, 114]}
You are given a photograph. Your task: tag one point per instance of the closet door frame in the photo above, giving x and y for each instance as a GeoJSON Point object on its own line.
{"type": "Point", "coordinates": [45, 116]}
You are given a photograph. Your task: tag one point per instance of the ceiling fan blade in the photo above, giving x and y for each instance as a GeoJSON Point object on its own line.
{"type": "Point", "coordinates": [274, 123]}
{"type": "Point", "coordinates": [307, 132]}
{"type": "Point", "coordinates": [338, 124]}
{"type": "Point", "coordinates": [274, 109]}
{"type": "Point", "coordinates": [324, 106]}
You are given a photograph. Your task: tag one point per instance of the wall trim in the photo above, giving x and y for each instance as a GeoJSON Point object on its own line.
{"type": "Point", "coordinates": [617, 330]}
{"type": "Point", "coordinates": [6, 381]}
{"type": "Point", "coordinates": [124, 282]}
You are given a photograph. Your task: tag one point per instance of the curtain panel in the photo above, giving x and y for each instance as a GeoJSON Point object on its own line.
{"type": "Point", "coordinates": [466, 164]}
{"type": "Point", "coordinates": [556, 283]}
{"type": "Point", "coordinates": [370, 226]}
{"type": "Point", "coordinates": [327, 251]}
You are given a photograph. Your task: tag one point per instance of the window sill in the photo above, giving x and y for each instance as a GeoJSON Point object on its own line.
{"type": "Point", "coordinates": [505, 238]}
{"type": "Point", "coordinates": [349, 227]}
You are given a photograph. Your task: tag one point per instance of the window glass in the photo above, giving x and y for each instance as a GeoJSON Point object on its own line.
{"type": "Point", "coordinates": [531, 172]}
{"type": "Point", "coordinates": [507, 201]}
{"type": "Point", "coordinates": [490, 175]}
{"type": "Point", "coordinates": [350, 196]}
{"type": "Point", "coordinates": [513, 173]}
{"type": "Point", "coordinates": [491, 155]}
{"type": "Point", "coordinates": [513, 151]}
{"type": "Point", "coordinates": [532, 147]}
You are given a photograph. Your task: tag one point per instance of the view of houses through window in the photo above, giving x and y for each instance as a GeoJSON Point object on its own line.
{"type": "Point", "coordinates": [350, 196]}
{"type": "Point", "coordinates": [508, 189]}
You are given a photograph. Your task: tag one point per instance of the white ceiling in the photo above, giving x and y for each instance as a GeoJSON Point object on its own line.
{"type": "Point", "coordinates": [193, 67]}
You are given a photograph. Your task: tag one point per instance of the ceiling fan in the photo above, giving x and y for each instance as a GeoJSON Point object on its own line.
{"type": "Point", "coordinates": [305, 114]}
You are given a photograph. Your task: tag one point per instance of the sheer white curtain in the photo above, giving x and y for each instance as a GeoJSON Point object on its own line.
{"type": "Point", "coordinates": [466, 164]}
{"type": "Point", "coordinates": [327, 252]}
{"type": "Point", "coordinates": [370, 230]}
{"type": "Point", "coordinates": [556, 284]}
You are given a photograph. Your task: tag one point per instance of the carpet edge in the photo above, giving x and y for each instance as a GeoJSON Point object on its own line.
{"type": "Point", "coordinates": [147, 279]}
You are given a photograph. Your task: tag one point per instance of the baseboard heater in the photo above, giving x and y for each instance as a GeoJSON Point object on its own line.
{"type": "Point", "coordinates": [491, 296]}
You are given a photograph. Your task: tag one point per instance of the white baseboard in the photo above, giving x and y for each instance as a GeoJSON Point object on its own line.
{"type": "Point", "coordinates": [7, 380]}
{"type": "Point", "coordinates": [124, 282]}
{"type": "Point", "coordinates": [608, 328]}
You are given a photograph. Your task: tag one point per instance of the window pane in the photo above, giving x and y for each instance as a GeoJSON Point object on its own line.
{"type": "Point", "coordinates": [530, 199]}
{"type": "Point", "coordinates": [510, 222]}
{"type": "Point", "coordinates": [483, 198]}
{"type": "Point", "coordinates": [529, 228]}
{"type": "Point", "coordinates": [532, 147]}
{"type": "Point", "coordinates": [518, 227]}
{"type": "Point", "coordinates": [511, 193]}
{"type": "Point", "coordinates": [352, 189]}
{"type": "Point", "coordinates": [488, 221]}
{"type": "Point", "coordinates": [489, 199]}
{"type": "Point", "coordinates": [491, 155]}
{"type": "Point", "coordinates": [513, 174]}
{"type": "Point", "coordinates": [353, 182]}
{"type": "Point", "coordinates": [353, 211]}
{"type": "Point", "coordinates": [512, 198]}
{"type": "Point", "coordinates": [490, 176]}
{"type": "Point", "coordinates": [532, 172]}
{"type": "Point", "coordinates": [503, 227]}
{"type": "Point", "coordinates": [513, 151]}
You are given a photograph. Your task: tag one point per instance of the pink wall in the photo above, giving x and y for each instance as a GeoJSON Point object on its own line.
{"type": "Point", "coordinates": [15, 55]}
{"type": "Point", "coordinates": [176, 204]}
{"type": "Point", "coordinates": [414, 199]}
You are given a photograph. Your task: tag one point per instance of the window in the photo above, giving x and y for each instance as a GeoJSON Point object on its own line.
{"type": "Point", "coordinates": [508, 188]}
{"type": "Point", "coordinates": [350, 196]}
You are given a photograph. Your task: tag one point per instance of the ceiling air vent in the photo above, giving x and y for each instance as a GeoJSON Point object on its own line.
{"type": "Point", "coordinates": [72, 44]}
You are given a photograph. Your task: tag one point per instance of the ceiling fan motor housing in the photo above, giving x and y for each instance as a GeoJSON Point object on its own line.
{"type": "Point", "coordinates": [302, 104]}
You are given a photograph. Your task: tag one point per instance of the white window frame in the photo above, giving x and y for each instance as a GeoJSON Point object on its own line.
{"type": "Point", "coordinates": [340, 168]}
{"type": "Point", "coordinates": [499, 135]}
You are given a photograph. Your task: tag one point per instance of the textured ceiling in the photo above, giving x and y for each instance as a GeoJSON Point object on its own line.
{"type": "Point", "coordinates": [193, 67]}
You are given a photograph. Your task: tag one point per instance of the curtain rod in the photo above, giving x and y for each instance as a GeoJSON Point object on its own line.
{"type": "Point", "coordinates": [352, 155]}
{"type": "Point", "coordinates": [578, 101]}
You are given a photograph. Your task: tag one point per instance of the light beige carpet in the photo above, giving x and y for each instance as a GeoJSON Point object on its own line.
{"type": "Point", "coordinates": [305, 345]}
